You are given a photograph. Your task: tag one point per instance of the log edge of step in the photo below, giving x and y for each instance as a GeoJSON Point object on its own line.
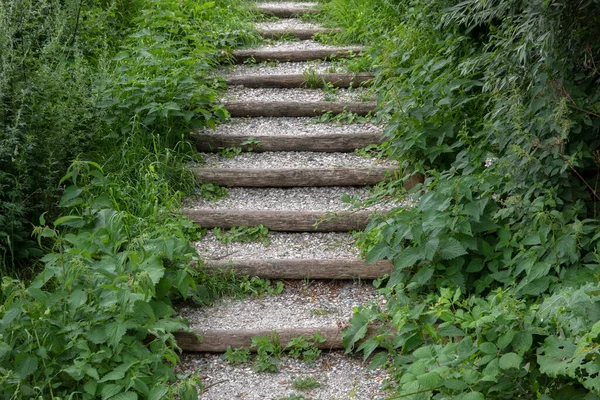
{"type": "Point", "coordinates": [217, 341]}
{"type": "Point", "coordinates": [334, 268]}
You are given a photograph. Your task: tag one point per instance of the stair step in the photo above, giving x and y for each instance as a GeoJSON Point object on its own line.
{"type": "Point", "coordinates": [304, 209]}
{"type": "Point", "coordinates": [294, 169]}
{"type": "Point", "coordinates": [304, 268]}
{"type": "Point", "coordinates": [294, 177]}
{"type": "Point", "coordinates": [217, 341]}
{"type": "Point", "coordinates": [291, 54]}
{"type": "Point", "coordinates": [281, 221]}
{"type": "Point", "coordinates": [288, 134]}
{"type": "Point", "coordinates": [300, 81]}
{"type": "Point", "coordinates": [328, 143]}
{"type": "Point", "coordinates": [296, 108]}
{"type": "Point", "coordinates": [302, 34]}
{"type": "Point", "coordinates": [303, 309]}
{"type": "Point", "coordinates": [287, 11]}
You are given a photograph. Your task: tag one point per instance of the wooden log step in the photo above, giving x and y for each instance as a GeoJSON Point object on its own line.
{"type": "Point", "coordinates": [217, 341]}
{"type": "Point", "coordinates": [302, 34]}
{"type": "Point", "coordinates": [325, 143]}
{"type": "Point", "coordinates": [304, 268]}
{"type": "Point", "coordinates": [261, 55]}
{"type": "Point", "coordinates": [296, 109]}
{"type": "Point", "coordinates": [285, 12]}
{"type": "Point", "coordinates": [295, 177]}
{"type": "Point", "coordinates": [280, 221]}
{"type": "Point", "coordinates": [299, 81]}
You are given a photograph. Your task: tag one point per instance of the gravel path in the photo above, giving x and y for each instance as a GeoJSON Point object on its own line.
{"type": "Point", "coordinates": [237, 93]}
{"type": "Point", "coordinates": [282, 246]}
{"type": "Point", "coordinates": [287, 23]}
{"type": "Point", "coordinates": [284, 68]}
{"type": "Point", "coordinates": [287, 4]}
{"type": "Point", "coordinates": [303, 45]}
{"type": "Point", "coordinates": [288, 126]}
{"type": "Point", "coordinates": [340, 377]}
{"type": "Point", "coordinates": [294, 159]}
{"type": "Point", "coordinates": [325, 199]}
{"type": "Point", "coordinates": [314, 305]}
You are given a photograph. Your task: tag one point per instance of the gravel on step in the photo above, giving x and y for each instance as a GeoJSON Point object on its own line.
{"type": "Point", "coordinates": [287, 23]}
{"type": "Point", "coordinates": [318, 199]}
{"type": "Point", "coordinates": [293, 159]}
{"type": "Point", "coordinates": [283, 68]}
{"type": "Point", "coordinates": [314, 304]}
{"type": "Point", "coordinates": [339, 376]}
{"type": "Point", "coordinates": [282, 246]}
{"type": "Point", "coordinates": [303, 45]}
{"type": "Point", "coordinates": [241, 93]}
{"type": "Point", "coordinates": [286, 4]}
{"type": "Point", "coordinates": [264, 126]}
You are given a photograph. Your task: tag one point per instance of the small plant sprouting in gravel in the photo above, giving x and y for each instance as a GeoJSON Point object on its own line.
{"type": "Point", "coordinates": [229, 152]}
{"type": "Point", "coordinates": [236, 356]}
{"type": "Point", "coordinates": [251, 144]}
{"type": "Point", "coordinates": [319, 312]}
{"type": "Point", "coordinates": [312, 80]}
{"type": "Point", "coordinates": [306, 383]}
{"type": "Point", "coordinates": [305, 347]}
{"type": "Point", "coordinates": [243, 234]}
{"type": "Point", "coordinates": [268, 352]}
{"type": "Point", "coordinates": [258, 287]}
{"type": "Point", "coordinates": [210, 191]}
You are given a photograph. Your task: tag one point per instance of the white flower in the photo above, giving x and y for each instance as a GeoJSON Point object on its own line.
{"type": "Point", "coordinates": [489, 161]}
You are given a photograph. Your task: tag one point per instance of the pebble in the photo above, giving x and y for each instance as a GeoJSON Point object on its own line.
{"type": "Point", "coordinates": [269, 126]}
{"type": "Point", "coordinates": [238, 93]}
{"type": "Point", "coordinates": [294, 159]}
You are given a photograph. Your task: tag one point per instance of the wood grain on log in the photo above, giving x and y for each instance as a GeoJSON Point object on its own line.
{"type": "Point", "coordinates": [294, 55]}
{"type": "Point", "coordinates": [299, 81]}
{"type": "Point", "coordinates": [296, 109]}
{"type": "Point", "coordinates": [304, 268]}
{"type": "Point", "coordinates": [285, 12]}
{"type": "Point", "coordinates": [327, 143]}
{"type": "Point", "coordinates": [217, 341]}
{"type": "Point", "coordinates": [302, 34]}
{"type": "Point", "coordinates": [281, 221]}
{"type": "Point", "coordinates": [294, 177]}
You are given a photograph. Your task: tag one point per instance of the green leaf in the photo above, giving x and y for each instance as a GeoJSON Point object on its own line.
{"type": "Point", "coordinates": [406, 258]}
{"type": "Point", "coordinates": [154, 267]}
{"type": "Point", "coordinates": [506, 339]}
{"type": "Point", "coordinates": [471, 396]}
{"type": "Point", "coordinates": [450, 331]}
{"type": "Point", "coordinates": [455, 384]}
{"type": "Point", "coordinates": [510, 360]}
{"type": "Point", "coordinates": [90, 387]}
{"type": "Point", "coordinates": [111, 390]}
{"type": "Point", "coordinates": [25, 365]}
{"type": "Point", "coordinates": [429, 380]}
{"type": "Point", "coordinates": [430, 248]}
{"type": "Point", "coordinates": [125, 396]}
{"type": "Point", "coordinates": [488, 348]}
{"type": "Point", "coordinates": [158, 393]}
{"type": "Point", "coordinates": [379, 252]}
{"type": "Point", "coordinates": [73, 221]}
{"type": "Point", "coordinates": [359, 324]}
{"type": "Point", "coordinates": [451, 248]}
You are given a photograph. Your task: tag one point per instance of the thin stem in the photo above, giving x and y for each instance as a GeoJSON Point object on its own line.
{"type": "Point", "coordinates": [580, 177]}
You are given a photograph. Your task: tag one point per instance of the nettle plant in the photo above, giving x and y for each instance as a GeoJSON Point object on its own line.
{"type": "Point", "coordinates": [495, 287]}
{"type": "Point", "coordinates": [97, 322]}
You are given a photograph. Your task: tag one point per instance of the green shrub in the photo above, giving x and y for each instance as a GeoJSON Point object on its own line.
{"type": "Point", "coordinates": [497, 104]}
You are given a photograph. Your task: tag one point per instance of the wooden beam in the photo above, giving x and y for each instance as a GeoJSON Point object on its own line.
{"type": "Point", "coordinates": [326, 143]}
{"type": "Point", "coordinates": [285, 12]}
{"type": "Point", "coordinates": [294, 177]}
{"type": "Point", "coordinates": [299, 81]}
{"type": "Point", "coordinates": [281, 221]}
{"type": "Point", "coordinates": [302, 34]}
{"type": "Point", "coordinates": [258, 55]}
{"type": "Point", "coordinates": [296, 108]}
{"type": "Point", "coordinates": [304, 268]}
{"type": "Point", "coordinates": [217, 341]}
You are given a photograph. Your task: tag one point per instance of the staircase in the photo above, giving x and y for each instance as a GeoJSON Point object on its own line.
{"type": "Point", "coordinates": [292, 182]}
